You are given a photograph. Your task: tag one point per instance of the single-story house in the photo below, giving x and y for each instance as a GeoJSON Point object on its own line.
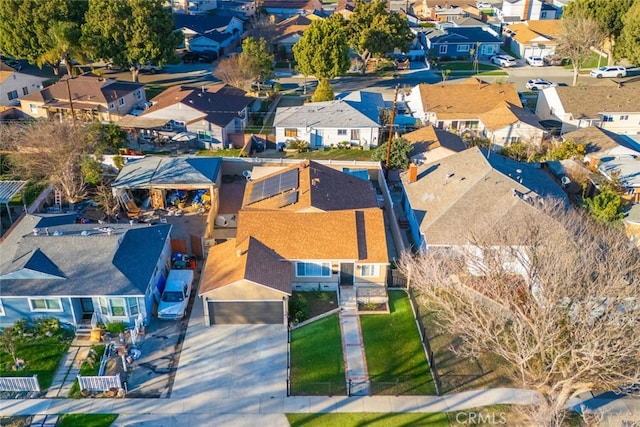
{"type": "Point", "coordinates": [288, 8]}
{"type": "Point", "coordinates": [434, 10]}
{"type": "Point", "coordinates": [82, 273]}
{"type": "Point", "coordinates": [302, 227]}
{"type": "Point", "coordinates": [522, 10]}
{"type": "Point", "coordinates": [323, 124]}
{"type": "Point", "coordinates": [449, 198]}
{"type": "Point", "coordinates": [461, 42]}
{"type": "Point", "coordinates": [430, 144]}
{"type": "Point", "coordinates": [192, 8]}
{"type": "Point", "coordinates": [212, 113]}
{"type": "Point", "coordinates": [16, 85]}
{"type": "Point", "coordinates": [209, 33]}
{"type": "Point", "coordinates": [92, 98]}
{"type": "Point", "coordinates": [508, 123]}
{"type": "Point", "coordinates": [534, 37]}
{"type": "Point", "coordinates": [610, 105]}
{"type": "Point", "coordinates": [289, 31]}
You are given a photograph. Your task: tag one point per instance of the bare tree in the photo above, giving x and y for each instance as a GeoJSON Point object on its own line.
{"type": "Point", "coordinates": [548, 290]}
{"type": "Point", "coordinates": [262, 26]}
{"type": "Point", "coordinates": [107, 201]}
{"type": "Point", "coordinates": [8, 343]}
{"type": "Point", "coordinates": [579, 35]}
{"type": "Point", "coordinates": [52, 152]}
{"type": "Point", "coordinates": [232, 72]}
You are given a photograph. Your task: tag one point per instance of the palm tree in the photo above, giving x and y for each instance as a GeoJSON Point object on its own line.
{"type": "Point", "coordinates": [64, 46]}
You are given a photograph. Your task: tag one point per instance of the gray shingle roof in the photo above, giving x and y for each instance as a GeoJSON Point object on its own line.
{"type": "Point", "coordinates": [169, 172]}
{"type": "Point", "coordinates": [329, 114]}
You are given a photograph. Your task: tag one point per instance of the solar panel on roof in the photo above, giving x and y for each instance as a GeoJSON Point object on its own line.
{"type": "Point", "coordinates": [269, 187]}
{"type": "Point", "coordinates": [287, 199]}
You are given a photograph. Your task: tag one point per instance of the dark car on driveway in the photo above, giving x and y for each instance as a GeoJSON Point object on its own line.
{"type": "Point", "coordinates": [193, 57]}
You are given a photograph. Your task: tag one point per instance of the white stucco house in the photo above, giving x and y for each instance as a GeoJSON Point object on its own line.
{"type": "Point", "coordinates": [15, 85]}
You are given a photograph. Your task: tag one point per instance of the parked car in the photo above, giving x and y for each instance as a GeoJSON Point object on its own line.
{"type": "Point", "coordinates": [538, 84]}
{"type": "Point", "coordinates": [264, 84]}
{"type": "Point", "coordinates": [504, 60]}
{"type": "Point", "coordinates": [613, 71]}
{"type": "Point", "coordinates": [193, 57]}
{"type": "Point", "coordinates": [175, 297]}
{"type": "Point", "coordinates": [150, 68]}
{"type": "Point", "coordinates": [553, 60]}
{"type": "Point", "coordinates": [535, 61]}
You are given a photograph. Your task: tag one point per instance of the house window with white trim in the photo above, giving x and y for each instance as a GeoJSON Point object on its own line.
{"type": "Point", "coordinates": [369, 270]}
{"type": "Point", "coordinates": [45, 304]}
{"type": "Point", "coordinates": [443, 48]}
{"type": "Point", "coordinates": [342, 132]}
{"type": "Point", "coordinates": [139, 94]}
{"type": "Point", "coordinates": [312, 269]}
{"type": "Point", "coordinates": [355, 134]}
{"type": "Point", "coordinates": [625, 117]}
{"type": "Point", "coordinates": [204, 135]}
{"type": "Point", "coordinates": [607, 118]}
{"type": "Point", "coordinates": [33, 108]}
{"type": "Point", "coordinates": [118, 307]}
{"type": "Point", "coordinates": [121, 102]}
{"type": "Point", "coordinates": [112, 106]}
{"type": "Point", "coordinates": [291, 132]}
{"type": "Point", "coordinates": [134, 309]}
{"type": "Point", "coordinates": [25, 90]}
{"type": "Point", "coordinates": [463, 48]}
{"type": "Point", "coordinates": [12, 95]}
{"type": "Point", "coordinates": [104, 308]}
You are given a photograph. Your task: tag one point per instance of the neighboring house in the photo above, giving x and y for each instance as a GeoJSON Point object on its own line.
{"type": "Point", "coordinates": [289, 31]}
{"type": "Point", "coordinates": [461, 42]}
{"type": "Point", "coordinates": [92, 98]}
{"type": "Point", "coordinates": [519, 10]}
{"type": "Point", "coordinates": [465, 105]}
{"type": "Point", "coordinates": [303, 227]}
{"type": "Point", "coordinates": [430, 144]}
{"type": "Point", "coordinates": [213, 113]}
{"type": "Point", "coordinates": [447, 200]}
{"type": "Point", "coordinates": [82, 273]}
{"type": "Point", "coordinates": [204, 33]}
{"type": "Point", "coordinates": [241, 8]}
{"type": "Point", "coordinates": [610, 105]}
{"type": "Point", "coordinates": [14, 85]}
{"type": "Point", "coordinates": [190, 7]}
{"type": "Point", "coordinates": [289, 8]}
{"type": "Point", "coordinates": [534, 38]}
{"type": "Point", "coordinates": [465, 22]}
{"type": "Point", "coordinates": [507, 124]}
{"type": "Point", "coordinates": [370, 104]}
{"type": "Point", "coordinates": [445, 10]}
{"type": "Point", "coordinates": [323, 124]}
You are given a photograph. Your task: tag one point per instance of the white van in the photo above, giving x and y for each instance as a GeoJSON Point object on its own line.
{"type": "Point", "coordinates": [175, 297]}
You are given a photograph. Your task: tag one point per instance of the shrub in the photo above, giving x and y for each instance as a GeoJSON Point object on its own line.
{"type": "Point", "coordinates": [298, 309]}
{"type": "Point", "coordinates": [116, 327]}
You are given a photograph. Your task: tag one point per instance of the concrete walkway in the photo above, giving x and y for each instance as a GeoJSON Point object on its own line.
{"type": "Point", "coordinates": [67, 371]}
{"type": "Point", "coordinates": [352, 345]}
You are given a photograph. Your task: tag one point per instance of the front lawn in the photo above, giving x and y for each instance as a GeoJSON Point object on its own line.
{"type": "Point", "coordinates": [466, 66]}
{"type": "Point", "coordinates": [317, 366]}
{"type": "Point", "coordinates": [334, 154]}
{"type": "Point", "coordinates": [395, 358]}
{"type": "Point", "coordinates": [368, 419]}
{"type": "Point", "coordinates": [89, 368]}
{"type": "Point", "coordinates": [41, 346]}
{"type": "Point", "coordinates": [87, 420]}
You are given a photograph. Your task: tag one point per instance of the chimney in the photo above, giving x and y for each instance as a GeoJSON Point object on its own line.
{"type": "Point", "coordinates": [413, 172]}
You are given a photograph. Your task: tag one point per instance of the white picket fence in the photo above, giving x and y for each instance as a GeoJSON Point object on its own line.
{"type": "Point", "coordinates": [98, 384]}
{"type": "Point", "coordinates": [19, 383]}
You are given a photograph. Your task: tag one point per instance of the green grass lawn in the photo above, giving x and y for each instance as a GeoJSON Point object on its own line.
{"type": "Point", "coordinates": [152, 90]}
{"type": "Point", "coordinates": [394, 351]}
{"type": "Point", "coordinates": [228, 152]}
{"type": "Point", "coordinates": [316, 359]}
{"type": "Point", "coordinates": [334, 154]}
{"type": "Point", "coordinates": [368, 419]}
{"type": "Point", "coordinates": [88, 369]}
{"type": "Point", "coordinates": [466, 66]}
{"type": "Point", "coordinates": [87, 420]}
{"type": "Point", "coordinates": [41, 355]}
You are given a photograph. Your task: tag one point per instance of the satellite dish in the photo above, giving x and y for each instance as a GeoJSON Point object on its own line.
{"type": "Point", "coordinates": [221, 221]}
{"type": "Point", "coordinates": [565, 180]}
{"type": "Point", "coordinates": [247, 175]}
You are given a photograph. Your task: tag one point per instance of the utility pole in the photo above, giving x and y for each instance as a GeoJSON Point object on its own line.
{"type": "Point", "coordinates": [393, 116]}
{"type": "Point", "coordinates": [73, 113]}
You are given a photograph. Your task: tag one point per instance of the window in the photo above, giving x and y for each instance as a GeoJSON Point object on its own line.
{"type": "Point", "coordinates": [45, 304]}
{"type": "Point", "coordinates": [369, 270]}
{"type": "Point", "coordinates": [204, 135]}
{"type": "Point", "coordinates": [104, 309]}
{"type": "Point", "coordinates": [25, 91]}
{"type": "Point", "coordinates": [443, 48]}
{"type": "Point", "coordinates": [112, 106]}
{"type": "Point", "coordinates": [607, 118]}
{"type": "Point", "coordinates": [121, 101]}
{"type": "Point", "coordinates": [133, 306]}
{"type": "Point", "coordinates": [139, 94]}
{"type": "Point", "coordinates": [514, 139]}
{"type": "Point", "coordinates": [625, 117]}
{"type": "Point", "coordinates": [463, 48]}
{"type": "Point", "coordinates": [118, 308]}
{"type": "Point", "coordinates": [291, 132]}
{"type": "Point", "coordinates": [33, 108]}
{"type": "Point", "coordinates": [12, 95]}
{"type": "Point", "coordinates": [355, 134]}
{"type": "Point", "coordinates": [342, 132]}
{"type": "Point", "coordinates": [311, 269]}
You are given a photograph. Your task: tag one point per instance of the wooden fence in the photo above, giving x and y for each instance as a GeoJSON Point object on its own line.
{"type": "Point", "coordinates": [19, 383]}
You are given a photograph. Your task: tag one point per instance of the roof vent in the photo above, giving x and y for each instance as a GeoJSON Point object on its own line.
{"type": "Point", "coordinates": [85, 233]}
{"type": "Point", "coordinates": [36, 231]}
{"type": "Point", "coordinates": [57, 233]}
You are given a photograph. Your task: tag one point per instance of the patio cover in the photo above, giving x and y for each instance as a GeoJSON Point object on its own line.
{"type": "Point", "coordinates": [140, 122]}
{"type": "Point", "coordinates": [169, 172]}
{"type": "Point", "coordinates": [8, 189]}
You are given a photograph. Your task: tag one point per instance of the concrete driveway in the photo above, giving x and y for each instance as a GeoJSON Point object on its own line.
{"type": "Point", "coordinates": [225, 362]}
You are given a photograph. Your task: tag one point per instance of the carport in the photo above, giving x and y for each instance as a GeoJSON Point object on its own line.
{"type": "Point", "coordinates": [245, 283]}
{"type": "Point", "coordinates": [8, 189]}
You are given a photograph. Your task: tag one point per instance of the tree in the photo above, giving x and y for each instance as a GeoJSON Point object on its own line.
{"type": "Point", "coordinates": [550, 291]}
{"type": "Point", "coordinates": [107, 201]}
{"type": "Point", "coordinates": [8, 343]}
{"type": "Point", "coordinates": [375, 31]}
{"type": "Point", "coordinates": [609, 15]}
{"type": "Point", "coordinates": [26, 25]}
{"type": "Point", "coordinates": [262, 26]}
{"type": "Point", "coordinates": [256, 60]}
{"type": "Point", "coordinates": [579, 34]}
{"type": "Point", "coordinates": [606, 206]}
{"type": "Point", "coordinates": [231, 72]}
{"type": "Point", "coordinates": [323, 92]}
{"type": "Point", "coordinates": [64, 46]}
{"type": "Point", "coordinates": [34, 157]}
{"type": "Point", "coordinates": [131, 32]}
{"type": "Point", "coordinates": [399, 156]}
{"type": "Point", "coordinates": [630, 34]}
{"type": "Point", "coordinates": [323, 51]}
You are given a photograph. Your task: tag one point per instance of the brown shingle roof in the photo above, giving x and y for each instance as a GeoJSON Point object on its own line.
{"type": "Point", "coordinates": [594, 139]}
{"type": "Point", "coordinates": [320, 187]}
{"type": "Point", "coordinates": [297, 24]}
{"type": "Point", "coordinates": [528, 32]}
{"type": "Point", "coordinates": [308, 5]}
{"type": "Point", "coordinates": [349, 235]}
{"type": "Point", "coordinates": [467, 98]}
{"type": "Point", "coordinates": [427, 139]}
{"type": "Point", "coordinates": [588, 101]}
{"type": "Point", "coordinates": [506, 114]}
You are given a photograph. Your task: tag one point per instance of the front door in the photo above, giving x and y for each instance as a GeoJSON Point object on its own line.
{"type": "Point", "coordinates": [346, 274]}
{"type": "Point", "coordinates": [87, 307]}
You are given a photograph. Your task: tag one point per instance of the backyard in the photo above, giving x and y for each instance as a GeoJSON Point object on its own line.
{"type": "Point", "coordinates": [317, 366]}
{"type": "Point", "coordinates": [396, 360]}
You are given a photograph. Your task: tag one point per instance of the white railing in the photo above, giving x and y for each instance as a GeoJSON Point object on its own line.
{"type": "Point", "coordinates": [94, 321]}
{"type": "Point", "coordinates": [99, 384]}
{"type": "Point", "coordinates": [19, 383]}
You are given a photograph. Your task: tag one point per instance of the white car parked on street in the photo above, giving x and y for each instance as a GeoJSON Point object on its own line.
{"type": "Point", "coordinates": [538, 84]}
{"type": "Point", "coordinates": [535, 61]}
{"type": "Point", "coordinates": [613, 71]}
{"type": "Point", "coordinates": [504, 60]}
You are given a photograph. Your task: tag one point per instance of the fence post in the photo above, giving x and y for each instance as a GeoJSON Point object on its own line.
{"type": "Point", "coordinates": [349, 387]}
{"type": "Point", "coordinates": [35, 379]}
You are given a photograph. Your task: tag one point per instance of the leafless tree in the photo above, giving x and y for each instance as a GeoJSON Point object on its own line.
{"type": "Point", "coordinates": [548, 290]}
{"type": "Point", "coordinates": [107, 201]}
{"type": "Point", "coordinates": [579, 35]}
{"type": "Point", "coordinates": [263, 26]}
{"type": "Point", "coordinates": [232, 72]}
{"type": "Point", "coordinates": [51, 152]}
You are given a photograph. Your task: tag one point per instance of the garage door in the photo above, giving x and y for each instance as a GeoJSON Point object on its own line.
{"type": "Point", "coordinates": [245, 312]}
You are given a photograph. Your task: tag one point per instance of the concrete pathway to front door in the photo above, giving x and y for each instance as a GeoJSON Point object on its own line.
{"type": "Point", "coordinates": [352, 345]}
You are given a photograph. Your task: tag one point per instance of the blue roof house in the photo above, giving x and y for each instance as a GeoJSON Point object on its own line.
{"type": "Point", "coordinates": [81, 274]}
{"type": "Point", "coordinates": [461, 42]}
